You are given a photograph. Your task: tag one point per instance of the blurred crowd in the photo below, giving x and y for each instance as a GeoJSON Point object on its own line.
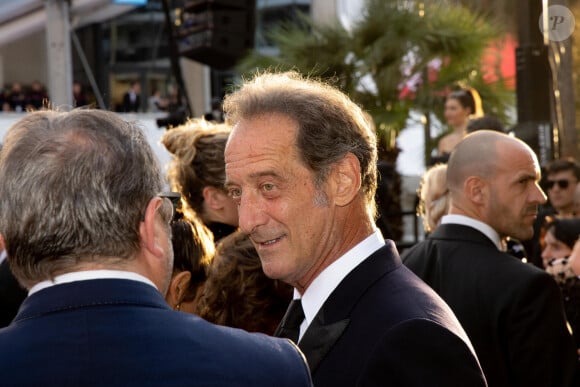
{"type": "Point", "coordinates": [18, 97]}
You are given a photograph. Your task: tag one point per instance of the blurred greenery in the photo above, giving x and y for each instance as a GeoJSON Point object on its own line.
{"type": "Point", "coordinates": [393, 43]}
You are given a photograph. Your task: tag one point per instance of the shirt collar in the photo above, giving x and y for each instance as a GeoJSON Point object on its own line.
{"type": "Point", "coordinates": [325, 283]}
{"type": "Point", "coordinates": [2, 256]}
{"type": "Point", "coordinates": [476, 224]}
{"type": "Point", "coordinates": [89, 275]}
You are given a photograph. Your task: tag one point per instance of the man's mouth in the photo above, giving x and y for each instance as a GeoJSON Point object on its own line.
{"type": "Point", "coordinates": [268, 242]}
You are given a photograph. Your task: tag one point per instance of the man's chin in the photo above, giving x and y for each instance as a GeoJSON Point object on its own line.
{"type": "Point", "coordinates": [524, 235]}
{"type": "Point", "coordinates": [271, 270]}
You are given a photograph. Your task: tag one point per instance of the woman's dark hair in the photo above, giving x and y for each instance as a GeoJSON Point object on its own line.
{"type": "Point", "coordinates": [193, 250]}
{"type": "Point", "coordinates": [566, 230]}
{"type": "Point", "coordinates": [468, 98]}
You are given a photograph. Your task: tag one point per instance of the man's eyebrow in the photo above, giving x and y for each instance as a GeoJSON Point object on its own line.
{"type": "Point", "coordinates": [527, 176]}
{"type": "Point", "coordinates": [256, 175]}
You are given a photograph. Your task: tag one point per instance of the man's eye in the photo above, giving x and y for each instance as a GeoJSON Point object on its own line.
{"type": "Point", "coordinates": [235, 192]}
{"type": "Point", "coordinates": [268, 187]}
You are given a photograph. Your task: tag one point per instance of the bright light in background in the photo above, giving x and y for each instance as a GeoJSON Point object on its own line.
{"type": "Point", "coordinates": [349, 12]}
{"type": "Point", "coordinates": [130, 2]}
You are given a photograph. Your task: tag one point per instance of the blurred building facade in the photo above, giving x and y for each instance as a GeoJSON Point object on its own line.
{"type": "Point", "coordinates": [115, 42]}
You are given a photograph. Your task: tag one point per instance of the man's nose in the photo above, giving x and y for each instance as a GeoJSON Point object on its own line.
{"type": "Point", "coordinates": [251, 212]}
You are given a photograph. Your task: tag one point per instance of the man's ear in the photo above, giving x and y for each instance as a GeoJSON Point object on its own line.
{"type": "Point", "coordinates": [214, 197]}
{"type": "Point", "coordinates": [476, 190]}
{"type": "Point", "coordinates": [177, 288]}
{"type": "Point", "coordinates": [150, 227]}
{"type": "Point", "coordinates": [347, 179]}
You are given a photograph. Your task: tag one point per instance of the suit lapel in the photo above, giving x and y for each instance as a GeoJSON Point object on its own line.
{"type": "Point", "coordinates": [334, 317]}
{"type": "Point", "coordinates": [319, 338]}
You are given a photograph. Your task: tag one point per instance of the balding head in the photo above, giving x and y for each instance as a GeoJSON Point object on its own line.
{"type": "Point", "coordinates": [480, 154]}
{"type": "Point", "coordinates": [494, 178]}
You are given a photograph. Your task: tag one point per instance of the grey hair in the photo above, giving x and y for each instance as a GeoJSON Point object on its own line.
{"type": "Point", "coordinates": [74, 189]}
{"type": "Point", "coordinates": [330, 125]}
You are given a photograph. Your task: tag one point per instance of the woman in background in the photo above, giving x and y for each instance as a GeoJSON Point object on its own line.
{"type": "Point", "coordinates": [561, 258]}
{"type": "Point", "coordinates": [460, 106]}
{"type": "Point", "coordinates": [560, 234]}
{"type": "Point", "coordinates": [197, 171]}
{"type": "Point", "coordinates": [433, 197]}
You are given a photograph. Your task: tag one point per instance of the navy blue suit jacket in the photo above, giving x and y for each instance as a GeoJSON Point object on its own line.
{"type": "Point", "coordinates": [511, 311]}
{"type": "Point", "coordinates": [114, 332]}
{"type": "Point", "coordinates": [382, 326]}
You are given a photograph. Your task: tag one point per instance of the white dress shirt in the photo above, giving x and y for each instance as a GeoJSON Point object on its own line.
{"type": "Point", "coordinates": [323, 285]}
{"type": "Point", "coordinates": [476, 224]}
{"type": "Point", "coordinates": [89, 275]}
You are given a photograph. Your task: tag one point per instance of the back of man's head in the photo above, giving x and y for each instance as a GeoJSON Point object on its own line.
{"type": "Point", "coordinates": [75, 186]}
{"type": "Point", "coordinates": [476, 154]}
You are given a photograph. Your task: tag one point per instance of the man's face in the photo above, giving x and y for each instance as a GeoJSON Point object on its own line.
{"type": "Point", "coordinates": [560, 188]}
{"type": "Point", "coordinates": [455, 115]}
{"type": "Point", "coordinates": [514, 193]}
{"type": "Point", "coordinates": [553, 248]}
{"type": "Point", "coordinates": [290, 221]}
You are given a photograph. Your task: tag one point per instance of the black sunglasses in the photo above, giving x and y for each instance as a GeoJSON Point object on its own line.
{"type": "Point", "coordinates": [563, 183]}
{"type": "Point", "coordinates": [175, 198]}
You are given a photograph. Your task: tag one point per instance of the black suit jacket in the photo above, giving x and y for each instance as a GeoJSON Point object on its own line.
{"type": "Point", "coordinates": [129, 105]}
{"type": "Point", "coordinates": [511, 311]}
{"type": "Point", "coordinates": [11, 295]}
{"type": "Point", "coordinates": [383, 326]}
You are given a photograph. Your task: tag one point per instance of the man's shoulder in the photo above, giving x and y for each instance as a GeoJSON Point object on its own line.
{"type": "Point", "coordinates": [399, 292]}
{"type": "Point", "coordinates": [145, 332]}
{"type": "Point", "coordinates": [266, 352]}
{"type": "Point", "coordinates": [403, 308]}
{"type": "Point", "coordinates": [452, 238]}
{"type": "Point", "coordinates": [217, 336]}
{"type": "Point", "coordinates": [478, 264]}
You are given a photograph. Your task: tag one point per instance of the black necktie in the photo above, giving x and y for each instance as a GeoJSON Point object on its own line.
{"type": "Point", "coordinates": [290, 326]}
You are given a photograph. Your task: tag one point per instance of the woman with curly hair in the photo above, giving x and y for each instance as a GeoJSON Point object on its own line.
{"type": "Point", "coordinates": [238, 294]}
{"type": "Point", "coordinates": [197, 171]}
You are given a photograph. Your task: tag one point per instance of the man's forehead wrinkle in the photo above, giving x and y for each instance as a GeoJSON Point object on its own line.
{"type": "Point", "coordinates": [251, 168]}
{"type": "Point", "coordinates": [252, 155]}
{"type": "Point", "coordinates": [246, 161]}
{"type": "Point", "coordinates": [247, 150]}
